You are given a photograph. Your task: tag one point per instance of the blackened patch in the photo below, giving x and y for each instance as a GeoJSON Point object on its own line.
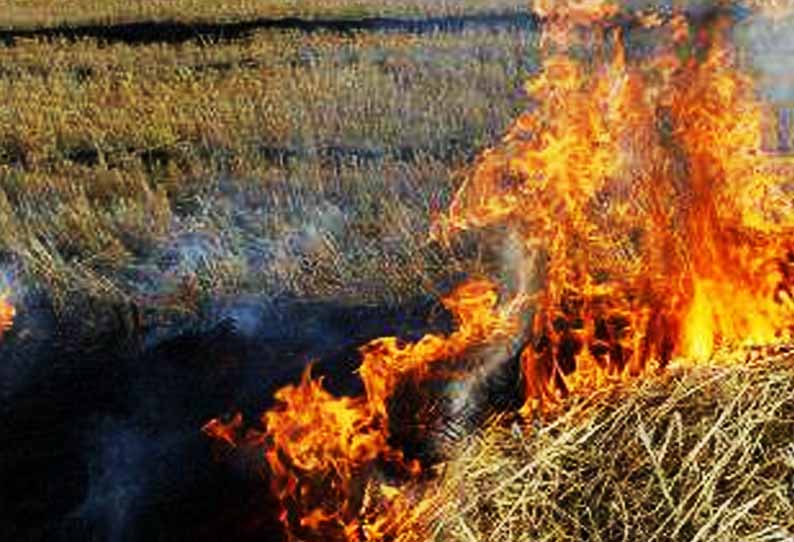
{"type": "Point", "coordinates": [337, 156]}
{"type": "Point", "coordinates": [174, 32]}
{"type": "Point", "coordinates": [85, 155]}
{"type": "Point", "coordinates": [12, 153]}
{"type": "Point", "coordinates": [156, 159]}
{"type": "Point", "coordinates": [102, 437]}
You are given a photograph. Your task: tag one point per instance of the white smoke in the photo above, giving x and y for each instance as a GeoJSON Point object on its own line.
{"type": "Point", "coordinates": [768, 45]}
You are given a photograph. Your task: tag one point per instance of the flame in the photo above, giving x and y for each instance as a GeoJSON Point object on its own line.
{"type": "Point", "coordinates": [643, 187]}
{"type": "Point", "coordinates": [322, 449]}
{"type": "Point", "coordinates": [7, 314]}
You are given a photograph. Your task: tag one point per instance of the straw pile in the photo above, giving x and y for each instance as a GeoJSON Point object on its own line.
{"type": "Point", "coordinates": [698, 454]}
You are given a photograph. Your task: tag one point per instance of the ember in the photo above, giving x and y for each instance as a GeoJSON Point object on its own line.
{"type": "Point", "coordinates": [642, 187]}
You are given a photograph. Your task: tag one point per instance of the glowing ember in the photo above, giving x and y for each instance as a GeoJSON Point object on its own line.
{"type": "Point", "coordinates": [643, 187]}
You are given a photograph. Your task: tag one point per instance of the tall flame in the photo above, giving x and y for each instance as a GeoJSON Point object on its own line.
{"type": "Point", "coordinates": [646, 189]}
{"type": "Point", "coordinates": [643, 188]}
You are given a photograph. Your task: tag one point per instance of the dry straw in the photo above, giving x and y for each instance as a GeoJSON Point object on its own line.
{"type": "Point", "coordinates": [702, 454]}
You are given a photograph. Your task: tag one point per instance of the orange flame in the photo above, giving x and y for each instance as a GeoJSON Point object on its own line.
{"type": "Point", "coordinates": [647, 190]}
{"type": "Point", "coordinates": [322, 449]}
{"type": "Point", "coordinates": [643, 188]}
{"type": "Point", "coordinates": [7, 314]}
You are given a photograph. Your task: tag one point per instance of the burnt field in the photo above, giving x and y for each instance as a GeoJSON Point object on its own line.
{"type": "Point", "coordinates": [104, 436]}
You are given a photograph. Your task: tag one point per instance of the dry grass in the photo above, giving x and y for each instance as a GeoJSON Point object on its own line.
{"type": "Point", "coordinates": [703, 454]}
{"type": "Point", "coordinates": [287, 163]}
{"type": "Point", "coordinates": [85, 103]}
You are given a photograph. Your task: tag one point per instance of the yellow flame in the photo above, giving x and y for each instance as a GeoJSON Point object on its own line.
{"type": "Point", "coordinates": [699, 326]}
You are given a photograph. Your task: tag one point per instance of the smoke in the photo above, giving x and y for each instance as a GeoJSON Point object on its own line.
{"type": "Point", "coordinates": [495, 382]}
{"type": "Point", "coordinates": [430, 417]}
{"type": "Point", "coordinates": [118, 477]}
{"type": "Point", "coordinates": [237, 236]}
{"type": "Point", "coordinates": [768, 43]}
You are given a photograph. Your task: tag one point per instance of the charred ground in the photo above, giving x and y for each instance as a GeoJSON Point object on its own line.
{"type": "Point", "coordinates": [104, 439]}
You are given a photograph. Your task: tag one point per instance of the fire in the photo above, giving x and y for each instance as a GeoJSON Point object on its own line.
{"type": "Point", "coordinates": [642, 187]}
{"type": "Point", "coordinates": [7, 314]}
{"type": "Point", "coordinates": [646, 189]}
{"type": "Point", "coordinates": [321, 445]}
{"type": "Point", "coordinates": [322, 450]}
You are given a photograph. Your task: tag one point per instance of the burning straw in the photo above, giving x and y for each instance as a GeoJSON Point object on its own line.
{"type": "Point", "coordinates": [641, 188]}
